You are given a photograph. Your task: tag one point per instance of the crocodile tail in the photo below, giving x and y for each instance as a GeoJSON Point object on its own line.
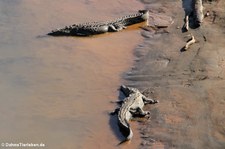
{"type": "Point", "coordinates": [128, 138]}
{"type": "Point", "coordinates": [59, 32]}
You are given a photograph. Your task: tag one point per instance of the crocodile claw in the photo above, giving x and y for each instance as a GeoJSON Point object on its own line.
{"type": "Point", "coordinates": [155, 101]}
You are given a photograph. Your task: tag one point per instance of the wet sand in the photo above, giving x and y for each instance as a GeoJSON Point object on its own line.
{"type": "Point", "coordinates": [57, 91]}
{"type": "Point", "coordinates": [188, 84]}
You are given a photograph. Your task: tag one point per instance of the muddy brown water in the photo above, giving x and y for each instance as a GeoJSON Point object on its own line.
{"type": "Point", "coordinates": [57, 91]}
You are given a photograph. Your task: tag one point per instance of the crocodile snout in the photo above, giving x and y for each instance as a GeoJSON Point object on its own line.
{"type": "Point", "coordinates": [128, 90]}
{"type": "Point", "coordinates": [125, 90]}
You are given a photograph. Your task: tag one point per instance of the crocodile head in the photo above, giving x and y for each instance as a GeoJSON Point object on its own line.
{"type": "Point", "coordinates": [145, 14]}
{"type": "Point", "coordinates": [128, 90]}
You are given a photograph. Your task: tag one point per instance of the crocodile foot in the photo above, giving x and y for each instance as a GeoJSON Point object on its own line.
{"type": "Point", "coordinates": [149, 100]}
{"type": "Point", "coordinates": [139, 112]}
{"type": "Point", "coordinates": [116, 28]}
{"type": "Point", "coordinates": [116, 111]}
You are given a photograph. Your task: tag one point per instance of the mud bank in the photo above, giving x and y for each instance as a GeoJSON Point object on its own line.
{"type": "Point", "coordinates": [189, 84]}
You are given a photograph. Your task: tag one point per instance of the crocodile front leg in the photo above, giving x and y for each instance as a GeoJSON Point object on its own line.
{"type": "Point", "coordinates": [116, 28]}
{"type": "Point", "coordinates": [120, 27]}
{"type": "Point", "coordinates": [118, 102]}
{"type": "Point", "coordinates": [116, 111]}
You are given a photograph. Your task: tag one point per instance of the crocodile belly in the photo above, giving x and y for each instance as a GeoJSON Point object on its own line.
{"type": "Point", "coordinates": [88, 31]}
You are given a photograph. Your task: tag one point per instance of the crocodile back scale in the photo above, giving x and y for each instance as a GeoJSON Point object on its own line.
{"type": "Point", "coordinates": [93, 28]}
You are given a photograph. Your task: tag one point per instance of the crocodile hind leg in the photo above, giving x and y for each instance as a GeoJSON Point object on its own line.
{"type": "Point", "coordinates": [139, 112]}
{"type": "Point", "coordinates": [149, 100]}
{"type": "Point", "coordinates": [142, 112]}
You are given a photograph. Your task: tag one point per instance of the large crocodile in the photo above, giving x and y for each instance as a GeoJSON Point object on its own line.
{"type": "Point", "coordinates": [131, 107]}
{"type": "Point", "coordinates": [93, 28]}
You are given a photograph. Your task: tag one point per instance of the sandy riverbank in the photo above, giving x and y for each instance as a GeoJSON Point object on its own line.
{"type": "Point", "coordinates": [189, 85]}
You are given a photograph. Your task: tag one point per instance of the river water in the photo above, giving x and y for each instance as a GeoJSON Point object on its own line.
{"type": "Point", "coordinates": [57, 90]}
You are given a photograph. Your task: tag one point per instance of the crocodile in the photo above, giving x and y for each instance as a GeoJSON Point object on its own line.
{"type": "Point", "coordinates": [193, 12]}
{"type": "Point", "coordinates": [132, 106]}
{"type": "Point", "coordinates": [93, 28]}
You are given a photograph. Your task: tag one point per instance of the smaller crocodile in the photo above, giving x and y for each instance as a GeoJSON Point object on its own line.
{"type": "Point", "coordinates": [193, 14]}
{"type": "Point", "coordinates": [93, 28]}
{"type": "Point", "coordinates": [132, 106]}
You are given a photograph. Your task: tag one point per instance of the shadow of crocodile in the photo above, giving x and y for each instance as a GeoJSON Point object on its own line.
{"type": "Point", "coordinates": [113, 122]}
